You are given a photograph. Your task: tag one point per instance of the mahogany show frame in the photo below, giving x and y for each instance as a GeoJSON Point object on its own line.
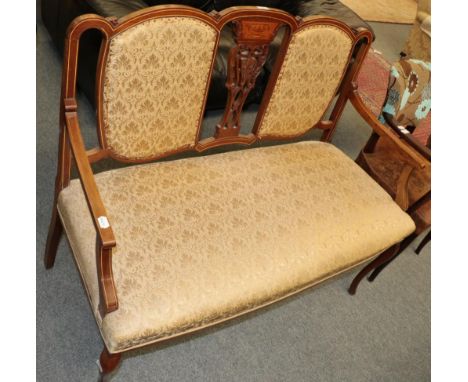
{"type": "Point", "coordinates": [254, 29]}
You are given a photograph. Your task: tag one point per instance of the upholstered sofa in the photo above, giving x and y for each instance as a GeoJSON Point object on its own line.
{"type": "Point", "coordinates": [57, 15]}
{"type": "Point", "coordinates": [418, 45]}
{"type": "Point", "coordinates": [168, 248]}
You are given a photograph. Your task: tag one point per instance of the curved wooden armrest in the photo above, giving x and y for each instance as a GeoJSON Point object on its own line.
{"type": "Point", "coordinates": [105, 236]}
{"type": "Point", "coordinates": [96, 207]}
{"type": "Point", "coordinates": [385, 131]}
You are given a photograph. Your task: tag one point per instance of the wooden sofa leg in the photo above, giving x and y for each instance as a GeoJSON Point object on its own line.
{"type": "Point", "coordinates": [424, 241]}
{"type": "Point", "coordinates": [381, 267]}
{"type": "Point", "coordinates": [53, 239]}
{"type": "Point", "coordinates": [381, 259]}
{"type": "Point", "coordinates": [403, 246]}
{"type": "Point", "coordinates": [108, 362]}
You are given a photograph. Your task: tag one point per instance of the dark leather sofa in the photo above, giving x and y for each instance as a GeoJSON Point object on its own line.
{"type": "Point", "coordinates": [57, 15]}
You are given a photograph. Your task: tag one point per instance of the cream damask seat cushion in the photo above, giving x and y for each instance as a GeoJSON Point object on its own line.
{"type": "Point", "coordinates": [203, 239]}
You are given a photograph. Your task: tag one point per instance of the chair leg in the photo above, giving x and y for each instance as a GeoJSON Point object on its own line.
{"type": "Point", "coordinates": [381, 259]}
{"type": "Point", "coordinates": [381, 267]}
{"type": "Point", "coordinates": [53, 239]}
{"type": "Point", "coordinates": [424, 241]}
{"type": "Point", "coordinates": [108, 363]}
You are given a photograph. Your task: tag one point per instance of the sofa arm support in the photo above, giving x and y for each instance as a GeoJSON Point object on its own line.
{"type": "Point", "coordinates": [105, 240]}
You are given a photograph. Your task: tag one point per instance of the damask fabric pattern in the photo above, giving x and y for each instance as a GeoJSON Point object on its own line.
{"type": "Point", "coordinates": [155, 79]}
{"type": "Point", "coordinates": [308, 80]}
{"type": "Point", "coordinates": [200, 240]}
{"type": "Point", "coordinates": [409, 92]}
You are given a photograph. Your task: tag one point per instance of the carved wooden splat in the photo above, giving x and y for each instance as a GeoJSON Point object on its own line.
{"type": "Point", "coordinates": [246, 59]}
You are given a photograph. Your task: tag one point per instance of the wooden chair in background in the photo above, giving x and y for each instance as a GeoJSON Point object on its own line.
{"type": "Point", "coordinates": [407, 104]}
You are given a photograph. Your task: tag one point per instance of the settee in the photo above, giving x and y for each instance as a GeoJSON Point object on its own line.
{"type": "Point", "coordinates": [167, 248]}
{"type": "Point", "coordinates": [57, 15]}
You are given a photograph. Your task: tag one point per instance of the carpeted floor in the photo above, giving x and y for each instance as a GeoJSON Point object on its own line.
{"type": "Point", "coordinates": [388, 11]}
{"type": "Point", "coordinates": [325, 335]}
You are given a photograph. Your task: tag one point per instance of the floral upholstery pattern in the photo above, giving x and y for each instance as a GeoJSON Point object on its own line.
{"type": "Point", "coordinates": [201, 240]}
{"type": "Point", "coordinates": [409, 93]}
{"type": "Point", "coordinates": [156, 76]}
{"type": "Point", "coordinates": [312, 70]}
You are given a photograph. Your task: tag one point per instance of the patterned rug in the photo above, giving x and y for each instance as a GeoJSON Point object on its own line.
{"type": "Point", "coordinates": [387, 11]}
{"type": "Point", "coordinates": [372, 87]}
{"type": "Point", "coordinates": [373, 80]}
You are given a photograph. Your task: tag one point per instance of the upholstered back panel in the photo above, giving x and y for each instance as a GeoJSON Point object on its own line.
{"type": "Point", "coordinates": [155, 78]}
{"type": "Point", "coordinates": [312, 70]}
